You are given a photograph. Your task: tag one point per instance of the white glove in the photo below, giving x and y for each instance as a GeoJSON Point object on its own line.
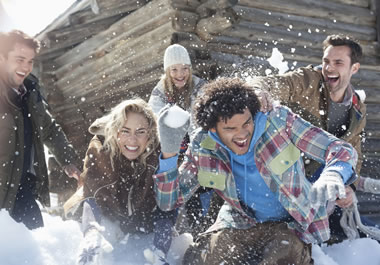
{"type": "Point", "coordinates": [328, 187]}
{"type": "Point", "coordinates": [371, 185]}
{"type": "Point", "coordinates": [92, 247]}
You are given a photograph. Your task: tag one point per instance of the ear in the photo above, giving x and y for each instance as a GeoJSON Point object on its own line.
{"type": "Point", "coordinates": [355, 68]}
{"type": "Point", "coordinates": [213, 130]}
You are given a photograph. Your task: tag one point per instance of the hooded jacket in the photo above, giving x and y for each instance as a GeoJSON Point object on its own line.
{"type": "Point", "coordinates": [306, 94]}
{"type": "Point", "coordinates": [45, 131]}
{"type": "Point", "coordinates": [277, 155]}
{"type": "Point", "coordinates": [124, 192]}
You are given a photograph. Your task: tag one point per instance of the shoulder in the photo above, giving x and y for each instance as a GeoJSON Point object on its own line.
{"type": "Point", "coordinates": [310, 72]}
{"type": "Point", "coordinates": [201, 139]}
{"type": "Point", "coordinates": [159, 88]}
{"type": "Point", "coordinates": [95, 149]}
{"type": "Point", "coordinates": [280, 112]}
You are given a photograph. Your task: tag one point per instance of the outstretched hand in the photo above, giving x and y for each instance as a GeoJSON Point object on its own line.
{"type": "Point", "coordinates": [346, 202]}
{"type": "Point", "coordinates": [266, 100]}
{"type": "Point", "coordinates": [328, 187]}
{"type": "Point", "coordinates": [173, 123]}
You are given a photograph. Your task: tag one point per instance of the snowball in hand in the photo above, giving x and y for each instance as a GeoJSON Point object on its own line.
{"type": "Point", "coordinates": [176, 117]}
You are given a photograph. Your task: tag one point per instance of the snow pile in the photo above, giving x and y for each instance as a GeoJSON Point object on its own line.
{"type": "Point", "coordinates": [176, 117]}
{"type": "Point", "coordinates": [58, 244]}
{"type": "Point", "coordinates": [277, 61]}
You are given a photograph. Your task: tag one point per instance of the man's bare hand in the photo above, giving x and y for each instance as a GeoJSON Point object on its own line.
{"type": "Point", "coordinates": [72, 171]}
{"type": "Point", "coordinates": [266, 101]}
{"type": "Point", "coordinates": [346, 202]}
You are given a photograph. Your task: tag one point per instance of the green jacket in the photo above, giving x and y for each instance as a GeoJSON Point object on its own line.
{"type": "Point", "coordinates": [303, 90]}
{"type": "Point", "coordinates": [44, 131]}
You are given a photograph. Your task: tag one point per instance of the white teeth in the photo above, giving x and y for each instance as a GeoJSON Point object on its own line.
{"type": "Point", "coordinates": [332, 76]}
{"type": "Point", "coordinates": [20, 73]}
{"type": "Point", "coordinates": [132, 148]}
{"type": "Point", "coordinates": [242, 142]}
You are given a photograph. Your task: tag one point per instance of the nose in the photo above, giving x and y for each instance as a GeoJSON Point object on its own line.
{"type": "Point", "coordinates": [132, 138]}
{"type": "Point", "coordinates": [243, 133]}
{"type": "Point", "coordinates": [329, 67]}
{"type": "Point", "coordinates": [26, 67]}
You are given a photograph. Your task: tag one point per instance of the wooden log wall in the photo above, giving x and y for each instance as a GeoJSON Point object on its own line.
{"type": "Point", "coordinates": [108, 50]}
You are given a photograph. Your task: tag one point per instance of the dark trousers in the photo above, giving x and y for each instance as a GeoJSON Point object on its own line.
{"type": "Point", "coordinates": [26, 209]}
{"type": "Point", "coordinates": [270, 243]}
{"type": "Point", "coordinates": [163, 225]}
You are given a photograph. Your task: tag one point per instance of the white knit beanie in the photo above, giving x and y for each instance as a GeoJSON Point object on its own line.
{"type": "Point", "coordinates": [176, 54]}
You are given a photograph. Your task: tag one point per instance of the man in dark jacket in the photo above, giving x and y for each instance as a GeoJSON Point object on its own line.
{"type": "Point", "coordinates": [25, 126]}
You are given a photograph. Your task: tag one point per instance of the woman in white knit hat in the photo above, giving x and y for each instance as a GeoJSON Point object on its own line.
{"type": "Point", "coordinates": [179, 86]}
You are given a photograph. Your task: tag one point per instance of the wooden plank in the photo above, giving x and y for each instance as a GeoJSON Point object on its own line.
{"type": "Point", "coordinates": [185, 21]}
{"type": "Point", "coordinates": [206, 8]}
{"type": "Point", "coordinates": [361, 3]}
{"type": "Point", "coordinates": [137, 23]}
{"type": "Point", "coordinates": [71, 36]}
{"type": "Point", "coordinates": [93, 49]}
{"type": "Point", "coordinates": [302, 24]}
{"type": "Point", "coordinates": [215, 24]}
{"type": "Point", "coordinates": [117, 57]}
{"type": "Point", "coordinates": [104, 5]}
{"type": "Point", "coordinates": [377, 6]}
{"type": "Point", "coordinates": [257, 33]}
{"type": "Point", "coordinates": [372, 146]}
{"type": "Point", "coordinates": [319, 9]}
{"type": "Point", "coordinates": [88, 16]}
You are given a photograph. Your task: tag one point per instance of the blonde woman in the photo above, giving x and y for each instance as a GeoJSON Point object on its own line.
{"type": "Point", "coordinates": [118, 186]}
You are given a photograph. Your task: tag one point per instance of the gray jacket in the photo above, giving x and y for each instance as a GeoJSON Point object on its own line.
{"type": "Point", "coordinates": [158, 99]}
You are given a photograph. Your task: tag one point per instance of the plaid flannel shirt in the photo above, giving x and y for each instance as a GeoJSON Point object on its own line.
{"type": "Point", "coordinates": [278, 159]}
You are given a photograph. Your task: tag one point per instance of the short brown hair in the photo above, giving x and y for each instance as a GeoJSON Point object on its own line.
{"type": "Point", "coordinates": [9, 39]}
{"type": "Point", "coordinates": [345, 40]}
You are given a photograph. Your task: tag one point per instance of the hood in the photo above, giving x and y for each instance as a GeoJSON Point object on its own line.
{"type": "Point", "coordinates": [97, 127]}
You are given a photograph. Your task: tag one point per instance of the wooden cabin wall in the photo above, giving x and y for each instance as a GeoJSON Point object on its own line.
{"type": "Point", "coordinates": [111, 50]}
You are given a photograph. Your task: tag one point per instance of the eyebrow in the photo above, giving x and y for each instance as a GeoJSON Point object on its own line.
{"type": "Point", "coordinates": [22, 57]}
{"type": "Point", "coordinates": [248, 120]}
{"type": "Point", "coordinates": [138, 129]}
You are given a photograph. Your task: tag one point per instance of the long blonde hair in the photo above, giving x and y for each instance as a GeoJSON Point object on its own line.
{"type": "Point", "coordinates": [115, 121]}
{"type": "Point", "coordinates": [173, 93]}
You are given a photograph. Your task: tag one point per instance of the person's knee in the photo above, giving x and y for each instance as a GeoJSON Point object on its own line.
{"type": "Point", "coordinates": [287, 248]}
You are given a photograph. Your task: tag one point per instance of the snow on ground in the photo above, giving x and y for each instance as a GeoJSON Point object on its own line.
{"type": "Point", "coordinates": [57, 242]}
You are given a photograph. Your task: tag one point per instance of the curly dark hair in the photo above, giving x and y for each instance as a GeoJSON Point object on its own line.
{"type": "Point", "coordinates": [222, 99]}
{"type": "Point", "coordinates": [8, 41]}
{"type": "Point", "coordinates": [345, 40]}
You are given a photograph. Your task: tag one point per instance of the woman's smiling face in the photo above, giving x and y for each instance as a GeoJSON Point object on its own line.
{"type": "Point", "coordinates": [133, 136]}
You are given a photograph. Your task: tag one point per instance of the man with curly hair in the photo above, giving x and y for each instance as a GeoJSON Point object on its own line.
{"type": "Point", "coordinates": [272, 213]}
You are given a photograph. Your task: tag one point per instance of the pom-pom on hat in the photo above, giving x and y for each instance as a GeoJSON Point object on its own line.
{"type": "Point", "coordinates": [176, 54]}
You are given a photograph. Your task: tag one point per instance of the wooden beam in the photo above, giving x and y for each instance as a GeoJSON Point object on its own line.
{"type": "Point", "coordinates": [378, 21]}
{"type": "Point", "coordinates": [135, 24]}
{"type": "Point", "coordinates": [222, 20]}
{"type": "Point", "coordinates": [320, 9]}
{"type": "Point", "coordinates": [302, 24]}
